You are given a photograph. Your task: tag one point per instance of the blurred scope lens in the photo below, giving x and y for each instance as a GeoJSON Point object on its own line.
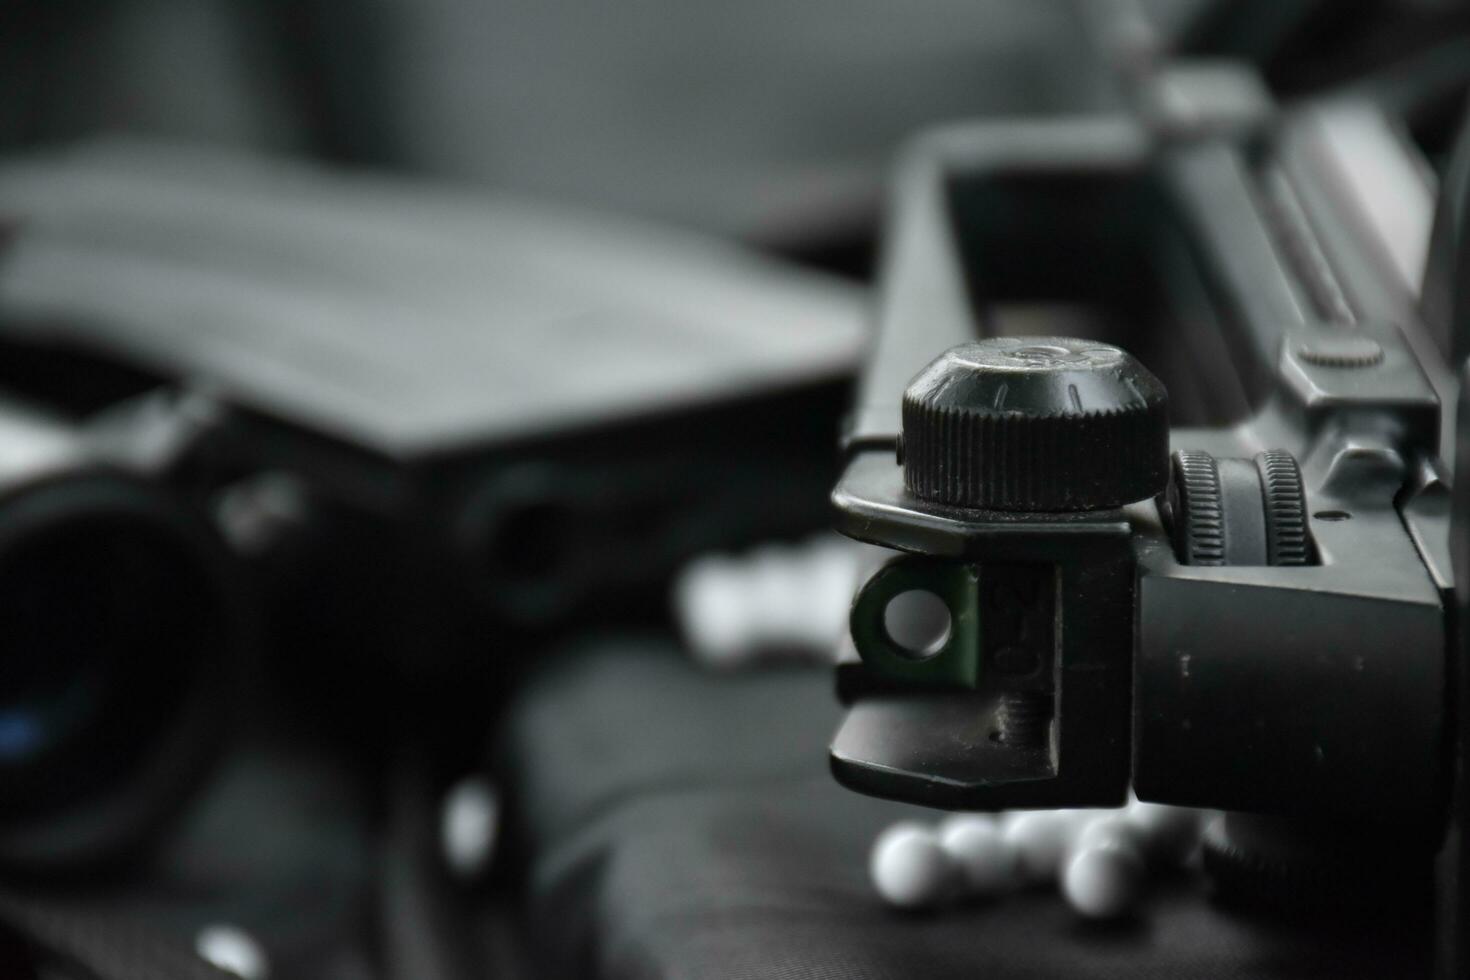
{"type": "Point", "coordinates": [115, 619]}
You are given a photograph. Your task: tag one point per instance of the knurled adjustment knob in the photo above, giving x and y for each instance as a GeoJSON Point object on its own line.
{"type": "Point", "coordinates": [1035, 424]}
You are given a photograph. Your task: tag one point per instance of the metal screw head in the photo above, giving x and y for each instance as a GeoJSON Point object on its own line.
{"type": "Point", "coordinates": [1344, 351]}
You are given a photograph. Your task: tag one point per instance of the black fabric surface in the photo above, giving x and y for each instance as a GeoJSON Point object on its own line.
{"type": "Point", "coordinates": [278, 844]}
{"type": "Point", "coordinates": [626, 720]}
{"type": "Point", "coordinates": [58, 940]}
{"type": "Point", "coordinates": [680, 824]}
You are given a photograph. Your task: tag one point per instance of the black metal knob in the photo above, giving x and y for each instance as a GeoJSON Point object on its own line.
{"type": "Point", "coordinates": [1299, 867]}
{"type": "Point", "coordinates": [1035, 424]}
{"type": "Point", "coordinates": [1238, 511]}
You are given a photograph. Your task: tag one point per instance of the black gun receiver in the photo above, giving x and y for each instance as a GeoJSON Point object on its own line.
{"type": "Point", "coordinates": [1219, 572]}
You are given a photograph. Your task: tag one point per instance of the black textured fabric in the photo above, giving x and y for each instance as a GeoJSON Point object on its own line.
{"type": "Point", "coordinates": [633, 718]}
{"type": "Point", "coordinates": [67, 941]}
{"type": "Point", "coordinates": [278, 845]}
{"type": "Point", "coordinates": [682, 825]}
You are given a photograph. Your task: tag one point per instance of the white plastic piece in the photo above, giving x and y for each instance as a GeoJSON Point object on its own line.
{"type": "Point", "coordinates": [469, 823]}
{"type": "Point", "coordinates": [991, 864]}
{"type": "Point", "coordinates": [1170, 833]}
{"type": "Point", "coordinates": [233, 950]}
{"type": "Point", "coordinates": [964, 819]}
{"type": "Point", "coordinates": [910, 869]}
{"type": "Point", "coordinates": [713, 607]}
{"type": "Point", "coordinates": [1104, 880]}
{"type": "Point", "coordinates": [832, 576]}
{"type": "Point", "coordinates": [775, 599]}
{"type": "Point", "coordinates": [1111, 827]}
{"type": "Point", "coordinates": [778, 597]}
{"type": "Point", "coordinates": [1041, 839]}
